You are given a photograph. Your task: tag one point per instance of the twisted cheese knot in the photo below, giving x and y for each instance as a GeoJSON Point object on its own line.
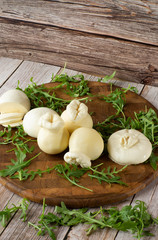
{"type": "Point", "coordinates": [77, 110]}
{"type": "Point", "coordinates": [128, 140]}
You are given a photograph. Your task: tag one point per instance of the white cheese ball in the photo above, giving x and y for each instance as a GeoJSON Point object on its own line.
{"type": "Point", "coordinates": [53, 137]}
{"type": "Point", "coordinates": [85, 144]}
{"type": "Point", "coordinates": [31, 119]}
{"type": "Point", "coordinates": [87, 141]}
{"type": "Point", "coordinates": [14, 101]}
{"type": "Point", "coordinates": [129, 146]}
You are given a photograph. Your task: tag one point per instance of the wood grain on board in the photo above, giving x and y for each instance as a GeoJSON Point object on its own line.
{"type": "Point", "coordinates": [55, 189]}
{"type": "Point", "coordinates": [96, 37]}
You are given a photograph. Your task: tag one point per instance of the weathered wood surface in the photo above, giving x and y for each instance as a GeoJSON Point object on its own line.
{"type": "Point", "coordinates": [16, 229]}
{"type": "Point", "coordinates": [99, 17]}
{"type": "Point", "coordinates": [91, 36]}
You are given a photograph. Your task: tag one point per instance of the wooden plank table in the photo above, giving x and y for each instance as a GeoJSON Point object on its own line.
{"type": "Point", "coordinates": [12, 70]}
{"type": "Point", "coordinates": [94, 36]}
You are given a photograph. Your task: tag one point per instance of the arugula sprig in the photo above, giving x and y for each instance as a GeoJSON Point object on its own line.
{"type": "Point", "coordinates": [18, 164]}
{"type": "Point", "coordinates": [41, 96]}
{"type": "Point", "coordinates": [7, 212]}
{"type": "Point", "coordinates": [109, 176]}
{"type": "Point", "coordinates": [147, 121]}
{"type": "Point", "coordinates": [17, 138]}
{"type": "Point", "coordinates": [73, 173]}
{"type": "Point", "coordinates": [78, 90]}
{"type": "Point", "coordinates": [117, 98]}
{"type": "Point", "coordinates": [44, 225]}
{"type": "Point", "coordinates": [107, 78]}
{"type": "Point", "coordinates": [135, 219]}
{"type": "Point", "coordinates": [25, 174]}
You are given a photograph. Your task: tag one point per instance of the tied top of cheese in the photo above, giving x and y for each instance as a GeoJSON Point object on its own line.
{"type": "Point", "coordinates": [51, 121]}
{"type": "Point", "coordinates": [76, 110]}
{"type": "Point", "coordinates": [76, 115]}
{"type": "Point", "coordinates": [129, 140]}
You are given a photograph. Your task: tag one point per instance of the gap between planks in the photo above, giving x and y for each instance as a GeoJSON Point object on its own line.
{"type": "Point", "coordinates": [8, 66]}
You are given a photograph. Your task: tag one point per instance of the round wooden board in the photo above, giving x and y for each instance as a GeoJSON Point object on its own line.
{"type": "Point", "coordinates": [56, 189]}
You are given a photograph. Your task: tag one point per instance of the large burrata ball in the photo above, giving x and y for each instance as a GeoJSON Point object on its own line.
{"type": "Point", "coordinates": [31, 120]}
{"type": "Point", "coordinates": [14, 101]}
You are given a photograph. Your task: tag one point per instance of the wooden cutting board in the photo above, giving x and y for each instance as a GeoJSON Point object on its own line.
{"type": "Point", "coordinates": [56, 189]}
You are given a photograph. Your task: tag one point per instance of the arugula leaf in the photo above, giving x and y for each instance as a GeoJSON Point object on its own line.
{"type": "Point", "coordinates": [6, 214]}
{"type": "Point", "coordinates": [153, 160]}
{"type": "Point", "coordinates": [118, 98]}
{"type": "Point", "coordinates": [108, 176]}
{"type": "Point", "coordinates": [24, 174]}
{"type": "Point", "coordinates": [80, 89]}
{"type": "Point", "coordinates": [17, 138]}
{"type": "Point", "coordinates": [107, 78]}
{"type": "Point", "coordinates": [40, 96]}
{"type": "Point", "coordinates": [43, 225]}
{"type": "Point", "coordinates": [69, 171]}
{"type": "Point", "coordinates": [17, 165]}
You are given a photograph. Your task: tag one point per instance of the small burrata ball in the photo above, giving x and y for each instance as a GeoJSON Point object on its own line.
{"type": "Point", "coordinates": [14, 100]}
{"type": "Point", "coordinates": [53, 137]}
{"type": "Point", "coordinates": [129, 146]}
{"type": "Point", "coordinates": [85, 144]}
{"type": "Point", "coordinates": [31, 119]}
